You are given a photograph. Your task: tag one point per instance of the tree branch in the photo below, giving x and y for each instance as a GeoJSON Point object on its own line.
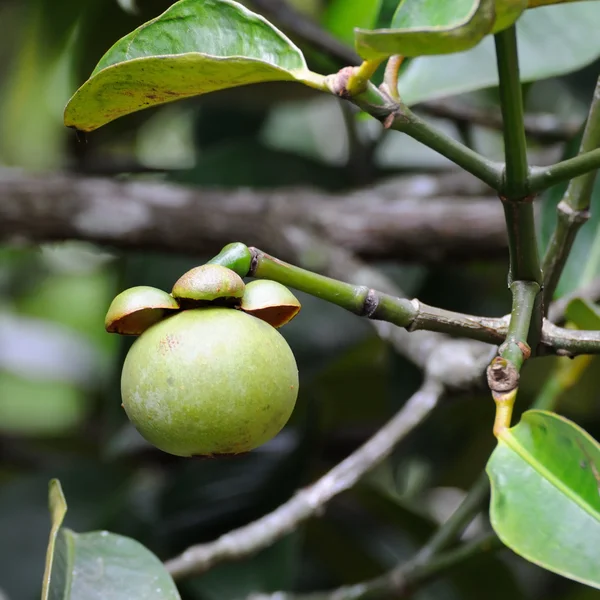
{"type": "Point", "coordinates": [570, 342]}
{"type": "Point", "coordinates": [311, 500]}
{"type": "Point", "coordinates": [447, 363]}
{"type": "Point", "coordinates": [573, 209]}
{"type": "Point", "coordinates": [545, 128]}
{"type": "Point", "coordinates": [424, 218]}
{"type": "Point", "coordinates": [472, 162]}
{"type": "Point", "coordinates": [542, 178]}
{"type": "Point", "coordinates": [364, 301]}
{"type": "Point", "coordinates": [511, 104]}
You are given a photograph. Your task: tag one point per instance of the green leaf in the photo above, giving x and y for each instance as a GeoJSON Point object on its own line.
{"type": "Point", "coordinates": [99, 565]}
{"type": "Point", "coordinates": [342, 16]}
{"type": "Point", "coordinates": [545, 506]}
{"type": "Point", "coordinates": [552, 41]}
{"type": "Point", "coordinates": [429, 27]}
{"type": "Point", "coordinates": [195, 47]}
{"type": "Point", "coordinates": [583, 313]}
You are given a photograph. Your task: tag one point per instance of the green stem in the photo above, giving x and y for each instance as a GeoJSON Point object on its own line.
{"type": "Point", "coordinates": [410, 314]}
{"type": "Point", "coordinates": [511, 103]}
{"type": "Point", "coordinates": [503, 372]}
{"type": "Point", "coordinates": [542, 178]}
{"type": "Point", "coordinates": [398, 116]}
{"type": "Point", "coordinates": [516, 348]}
{"type": "Point", "coordinates": [516, 199]}
{"type": "Point", "coordinates": [458, 153]}
{"type": "Point", "coordinates": [522, 242]}
{"type": "Point", "coordinates": [361, 75]}
{"type": "Point", "coordinates": [573, 209]}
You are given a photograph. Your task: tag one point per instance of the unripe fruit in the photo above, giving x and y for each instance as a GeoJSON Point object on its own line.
{"type": "Point", "coordinates": [209, 381]}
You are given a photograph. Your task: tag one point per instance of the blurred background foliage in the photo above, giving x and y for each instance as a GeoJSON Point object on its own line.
{"type": "Point", "coordinates": [60, 412]}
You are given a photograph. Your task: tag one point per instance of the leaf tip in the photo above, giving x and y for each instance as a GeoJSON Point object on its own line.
{"type": "Point", "coordinates": [56, 502]}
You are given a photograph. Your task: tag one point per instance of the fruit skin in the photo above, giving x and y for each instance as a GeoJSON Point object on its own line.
{"type": "Point", "coordinates": [209, 381]}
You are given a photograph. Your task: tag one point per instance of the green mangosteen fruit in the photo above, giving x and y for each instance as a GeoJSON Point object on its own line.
{"type": "Point", "coordinates": [209, 381]}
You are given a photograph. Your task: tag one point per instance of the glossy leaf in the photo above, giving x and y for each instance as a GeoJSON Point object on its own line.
{"type": "Point", "coordinates": [573, 44]}
{"type": "Point", "coordinates": [193, 48]}
{"type": "Point", "coordinates": [583, 313]}
{"type": "Point", "coordinates": [422, 27]}
{"type": "Point", "coordinates": [545, 476]}
{"type": "Point", "coordinates": [342, 16]}
{"type": "Point", "coordinates": [99, 565]}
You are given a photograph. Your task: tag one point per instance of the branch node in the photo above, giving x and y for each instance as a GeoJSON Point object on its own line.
{"type": "Point", "coordinates": [338, 82]}
{"type": "Point", "coordinates": [502, 376]}
{"type": "Point", "coordinates": [571, 215]}
{"type": "Point", "coordinates": [524, 199]}
{"type": "Point", "coordinates": [371, 303]}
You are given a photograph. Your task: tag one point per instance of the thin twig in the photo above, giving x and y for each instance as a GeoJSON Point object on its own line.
{"type": "Point", "coordinates": [401, 581]}
{"type": "Point", "coordinates": [573, 209]}
{"type": "Point", "coordinates": [364, 301]}
{"type": "Point", "coordinates": [479, 166]}
{"type": "Point", "coordinates": [570, 342]}
{"type": "Point", "coordinates": [310, 501]}
{"type": "Point", "coordinates": [542, 178]}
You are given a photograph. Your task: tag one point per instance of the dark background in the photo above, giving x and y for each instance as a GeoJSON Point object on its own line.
{"type": "Point", "coordinates": [60, 410]}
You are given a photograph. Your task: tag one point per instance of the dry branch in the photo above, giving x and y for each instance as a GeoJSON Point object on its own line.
{"type": "Point", "coordinates": [423, 218]}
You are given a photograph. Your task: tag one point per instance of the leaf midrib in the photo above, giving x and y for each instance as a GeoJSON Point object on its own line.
{"type": "Point", "coordinates": [509, 439]}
